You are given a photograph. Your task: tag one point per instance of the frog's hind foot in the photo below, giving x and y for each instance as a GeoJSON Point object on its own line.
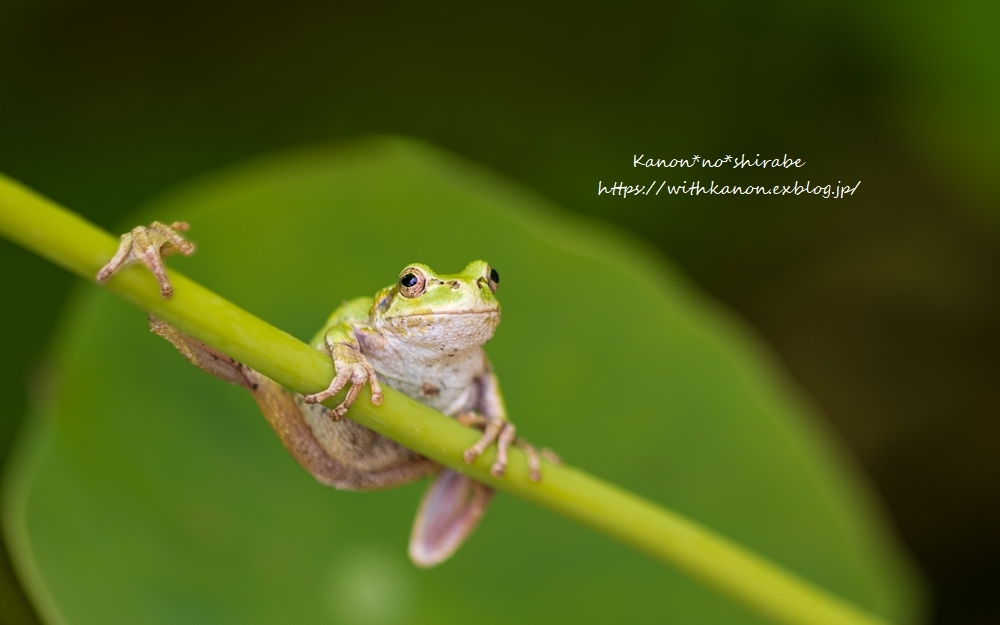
{"type": "Point", "coordinates": [150, 245]}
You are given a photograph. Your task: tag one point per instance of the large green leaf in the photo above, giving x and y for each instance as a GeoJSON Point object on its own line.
{"type": "Point", "coordinates": [149, 492]}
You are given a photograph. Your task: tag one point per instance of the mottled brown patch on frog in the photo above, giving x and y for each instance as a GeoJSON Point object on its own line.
{"type": "Point", "coordinates": [429, 390]}
{"type": "Point", "coordinates": [455, 284]}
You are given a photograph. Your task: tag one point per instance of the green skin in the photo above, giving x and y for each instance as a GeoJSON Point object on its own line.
{"type": "Point", "coordinates": [423, 336]}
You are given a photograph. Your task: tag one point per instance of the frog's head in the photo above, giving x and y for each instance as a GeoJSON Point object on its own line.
{"type": "Point", "coordinates": [436, 310]}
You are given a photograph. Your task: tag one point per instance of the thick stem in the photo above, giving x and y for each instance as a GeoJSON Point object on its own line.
{"type": "Point", "coordinates": [71, 242]}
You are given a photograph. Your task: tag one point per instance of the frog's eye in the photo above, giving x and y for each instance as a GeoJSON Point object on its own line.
{"type": "Point", "coordinates": [494, 279]}
{"type": "Point", "coordinates": [412, 282]}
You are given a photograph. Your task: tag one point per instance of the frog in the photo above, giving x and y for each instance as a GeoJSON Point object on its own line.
{"type": "Point", "coordinates": [423, 335]}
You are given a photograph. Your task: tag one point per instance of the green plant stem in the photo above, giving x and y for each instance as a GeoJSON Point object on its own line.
{"type": "Point", "coordinates": [71, 242]}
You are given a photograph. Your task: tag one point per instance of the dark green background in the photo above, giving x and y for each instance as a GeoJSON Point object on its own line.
{"type": "Point", "coordinates": [884, 306]}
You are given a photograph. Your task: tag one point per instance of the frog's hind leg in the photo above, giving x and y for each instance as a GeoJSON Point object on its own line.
{"type": "Point", "coordinates": [450, 510]}
{"type": "Point", "coordinates": [207, 359]}
{"type": "Point", "coordinates": [341, 454]}
{"type": "Point", "coordinates": [278, 407]}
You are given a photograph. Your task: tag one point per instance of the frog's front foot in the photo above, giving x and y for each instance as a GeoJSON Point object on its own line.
{"type": "Point", "coordinates": [150, 245]}
{"type": "Point", "coordinates": [351, 366]}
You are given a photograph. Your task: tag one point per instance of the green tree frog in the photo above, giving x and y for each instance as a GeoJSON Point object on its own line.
{"type": "Point", "coordinates": [422, 336]}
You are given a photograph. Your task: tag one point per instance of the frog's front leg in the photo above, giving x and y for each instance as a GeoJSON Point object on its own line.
{"type": "Point", "coordinates": [350, 365]}
{"type": "Point", "coordinates": [149, 245]}
{"type": "Point", "coordinates": [476, 420]}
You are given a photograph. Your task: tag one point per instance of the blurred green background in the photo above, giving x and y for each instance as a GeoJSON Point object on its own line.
{"type": "Point", "coordinates": [884, 306]}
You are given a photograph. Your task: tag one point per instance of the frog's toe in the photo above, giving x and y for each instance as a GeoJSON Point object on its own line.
{"type": "Point", "coordinates": [118, 260]}
{"type": "Point", "coordinates": [337, 414]}
{"type": "Point", "coordinates": [352, 396]}
{"type": "Point", "coordinates": [507, 435]}
{"type": "Point", "coordinates": [551, 456]}
{"type": "Point", "coordinates": [338, 382]}
{"type": "Point", "coordinates": [174, 241]}
{"type": "Point", "coordinates": [534, 459]}
{"type": "Point", "coordinates": [472, 419]}
{"type": "Point", "coordinates": [377, 396]}
{"type": "Point", "coordinates": [492, 431]}
{"type": "Point", "coordinates": [150, 257]}
{"type": "Point", "coordinates": [315, 398]}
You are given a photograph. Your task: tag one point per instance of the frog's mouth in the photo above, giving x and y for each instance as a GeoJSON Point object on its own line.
{"type": "Point", "coordinates": [495, 311]}
{"type": "Point", "coordinates": [447, 313]}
